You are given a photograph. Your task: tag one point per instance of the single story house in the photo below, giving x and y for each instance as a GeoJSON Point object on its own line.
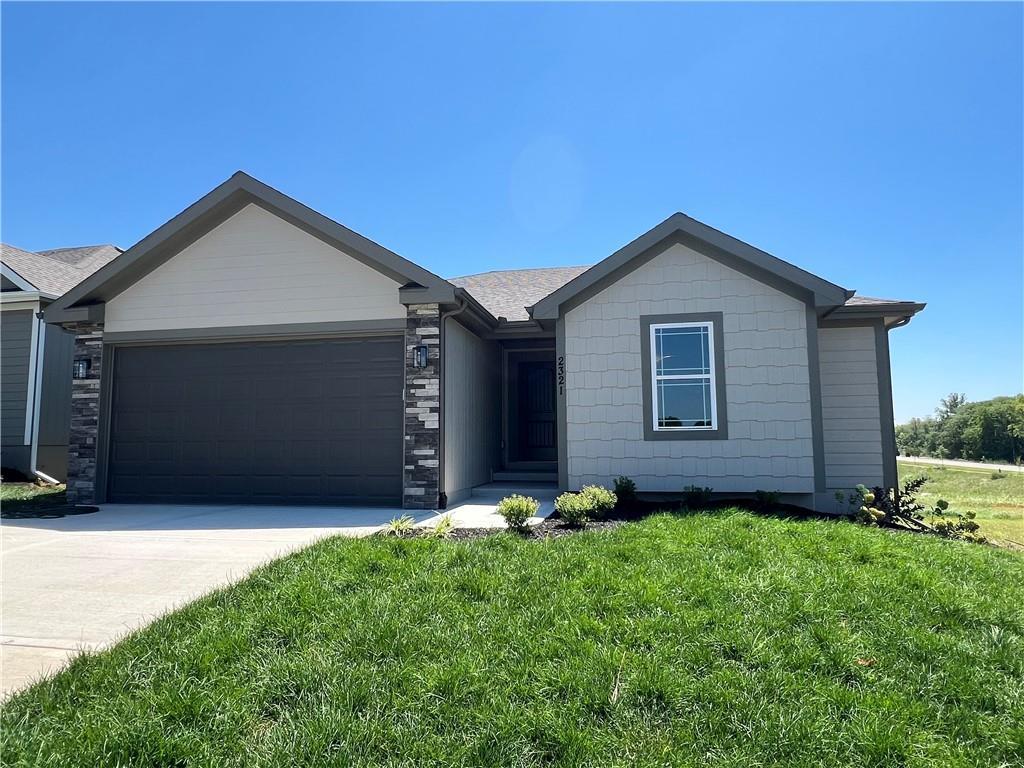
{"type": "Point", "coordinates": [35, 359]}
{"type": "Point", "coordinates": [253, 350]}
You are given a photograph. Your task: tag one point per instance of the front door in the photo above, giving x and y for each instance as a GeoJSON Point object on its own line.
{"type": "Point", "coordinates": [536, 400]}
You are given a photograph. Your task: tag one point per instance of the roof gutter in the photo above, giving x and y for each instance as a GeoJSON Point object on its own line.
{"type": "Point", "coordinates": [39, 337]}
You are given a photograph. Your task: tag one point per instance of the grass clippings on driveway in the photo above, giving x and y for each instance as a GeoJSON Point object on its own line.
{"type": "Point", "coordinates": [723, 639]}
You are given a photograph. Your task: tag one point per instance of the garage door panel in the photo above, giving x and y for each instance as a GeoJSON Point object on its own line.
{"type": "Point", "coordinates": [316, 422]}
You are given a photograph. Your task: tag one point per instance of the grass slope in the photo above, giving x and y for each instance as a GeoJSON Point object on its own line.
{"type": "Point", "coordinates": [999, 503]}
{"type": "Point", "coordinates": [24, 494]}
{"type": "Point", "coordinates": [724, 639]}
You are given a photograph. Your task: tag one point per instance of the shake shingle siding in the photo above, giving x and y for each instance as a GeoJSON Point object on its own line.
{"type": "Point", "coordinates": [851, 417]}
{"type": "Point", "coordinates": [769, 444]}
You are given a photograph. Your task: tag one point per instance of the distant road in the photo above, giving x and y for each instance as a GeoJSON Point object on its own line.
{"type": "Point", "coordinates": [958, 464]}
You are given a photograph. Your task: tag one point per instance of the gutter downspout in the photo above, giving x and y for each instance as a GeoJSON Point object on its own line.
{"type": "Point", "coordinates": [442, 500]}
{"type": "Point", "coordinates": [37, 376]}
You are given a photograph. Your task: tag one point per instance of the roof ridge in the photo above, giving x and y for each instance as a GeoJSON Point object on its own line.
{"type": "Point", "coordinates": [520, 269]}
{"type": "Point", "coordinates": [77, 247]}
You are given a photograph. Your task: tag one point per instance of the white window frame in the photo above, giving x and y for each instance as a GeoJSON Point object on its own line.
{"type": "Point", "coordinates": [656, 378]}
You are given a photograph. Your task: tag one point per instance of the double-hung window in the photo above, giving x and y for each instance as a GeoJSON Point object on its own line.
{"type": "Point", "coordinates": [683, 386]}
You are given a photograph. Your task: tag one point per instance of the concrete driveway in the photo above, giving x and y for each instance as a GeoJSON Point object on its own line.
{"type": "Point", "coordinates": [81, 582]}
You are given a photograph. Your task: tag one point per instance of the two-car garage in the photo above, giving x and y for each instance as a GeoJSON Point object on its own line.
{"type": "Point", "coordinates": [314, 421]}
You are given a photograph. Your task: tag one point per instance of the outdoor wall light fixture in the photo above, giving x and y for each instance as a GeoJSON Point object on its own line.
{"type": "Point", "coordinates": [420, 358]}
{"type": "Point", "coordinates": [81, 368]}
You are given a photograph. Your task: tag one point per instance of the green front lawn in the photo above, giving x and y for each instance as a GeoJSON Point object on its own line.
{"type": "Point", "coordinates": [998, 503]}
{"type": "Point", "coordinates": [721, 639]}
{"type": "Point", "coordinates": [26, 496]}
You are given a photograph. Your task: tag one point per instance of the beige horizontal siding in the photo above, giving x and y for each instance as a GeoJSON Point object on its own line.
{"type": "Point", "coordinates": [471, 410]}
{"type": "Point", "coordinates": [254, 269]}
{"type": "Point", "coordinates": [851, 413]}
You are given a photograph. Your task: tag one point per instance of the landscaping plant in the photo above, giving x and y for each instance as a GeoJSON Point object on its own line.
{"type": "Point", "coordinates": [766, 501]}
{"type": "Point", "coordinates": [517, 509]}
{"type": "Point", "coordinates": [954, 525]}
{"type": "Point", "coordinates": [903, 510]}
{"type": "Point", "coordinates": [695, 497]}
{"type": "Point", "coordinates": [601, 499]}
{"type": "Point", "coordinates": [399, 526]}
{"type": "Point", "coordinates": [444, 529]}
{"type": "Point", "coordinates": [576, 509]}
{"type": "Point", "coordinates": [625, 490]}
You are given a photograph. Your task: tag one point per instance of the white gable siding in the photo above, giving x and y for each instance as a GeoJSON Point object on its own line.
{"type": "Point", "coordinates": [767, 384]}
{"type": "Point", "coordinates": [254, 269]}
{"type": "Point", "coordinates": [851, 416]}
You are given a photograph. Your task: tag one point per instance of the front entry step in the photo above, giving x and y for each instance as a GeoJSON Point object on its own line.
{"type": "Point", "coordinates": [525, 477]}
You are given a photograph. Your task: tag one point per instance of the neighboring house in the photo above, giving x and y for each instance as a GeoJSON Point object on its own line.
{"type": "Point", "coordinates": [253, 350]}
{"type": "Point", "coordinates": [35, 359]}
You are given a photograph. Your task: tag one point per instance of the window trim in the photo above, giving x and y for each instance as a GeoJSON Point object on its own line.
{"type": "Point", "coordinates": [658, 378]}
{"type": "Point", "coordinates": [716, 348]}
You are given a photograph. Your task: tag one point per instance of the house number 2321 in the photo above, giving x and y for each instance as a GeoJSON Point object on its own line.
{"type": "Point", "coordinates": [561, 374]}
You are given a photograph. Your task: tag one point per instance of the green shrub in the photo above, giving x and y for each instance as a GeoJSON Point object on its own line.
{"type": "Point", "coordinates": [444, 529]}
{"type": "Point", "coordinates": [766, 501]}
{"type": "Point", "coordinates": [625, 490]}
{"type": "Point", "coordinates": [575, 509]}
{"type": "Point", "coordinates": [954, 525]}
{"type": "Point", "coordinates": [516, 510]}
{"type": "Point", "coordinates": [398, 526]}
{"type": "Point", "coordinates": [862, 504]}
{"type": "Point", "coordinates": [602, 500]}
{"type": "Point", "coordinates": [997, 475]}
{"type": "Point", "coordinates": [694, 496]}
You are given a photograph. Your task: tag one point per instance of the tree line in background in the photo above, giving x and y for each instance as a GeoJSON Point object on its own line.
{"type": "Point", "coordinates": [987, 430]}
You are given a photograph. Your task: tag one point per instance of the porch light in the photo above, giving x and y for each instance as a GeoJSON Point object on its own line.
{"type": "Point", "coordinates": [420, 358]}
{"type": "Point", "coordinates": [81, 368]}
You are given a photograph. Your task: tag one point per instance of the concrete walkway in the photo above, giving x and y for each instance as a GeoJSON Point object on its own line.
{"type": "Point", "coordinates": [960, 464]}
{"type": "Point", "coordinates": [480, 510]}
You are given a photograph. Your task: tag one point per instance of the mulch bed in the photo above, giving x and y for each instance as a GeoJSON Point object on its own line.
{"type": "Point", "coordinates": [554, 527]}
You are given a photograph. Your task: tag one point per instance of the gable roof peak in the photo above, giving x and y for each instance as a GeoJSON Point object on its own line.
{"type": "Point", "coordinates": [713, 243]}
{"type": "Point", "coordinates": [215, 207]}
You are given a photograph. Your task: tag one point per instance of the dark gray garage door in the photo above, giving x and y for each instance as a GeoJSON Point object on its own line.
{"type": "Point", "coordinates": [299, 422]}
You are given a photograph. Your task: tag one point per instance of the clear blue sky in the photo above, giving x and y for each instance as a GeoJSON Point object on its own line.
{"type": "Point", "coordinates": [879, 146]}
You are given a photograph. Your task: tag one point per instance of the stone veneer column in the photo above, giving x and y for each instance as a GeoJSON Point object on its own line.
{"type": "Point", "coordinates": [421, 477]}
{"type": "Point", "coordinates": [85, 414]}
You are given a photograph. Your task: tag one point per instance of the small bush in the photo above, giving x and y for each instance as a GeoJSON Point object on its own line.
{"type": "Point", "coordinates": [399, 526]}
{"type": "Point", "coordinates": [625, 490]}
{"type": "Point", "coordinates": [997, 475]}
{"type": "Point", "coordinates": [516, 510]}
{"type": "Point", "coordinates": [602, 500]}
{"type": "Point", "coordinates": [694, 496]}
{"type": "Point", "coordinates": [766, 501]}
{"type": "Point", "coordinates": [444, 529]}
{"type": "Point", "coordinates": [955, 525]}
{"type": "Point", "coordinates": [864, 508]}
{"type": "Point", "coordinates": [575, 509]}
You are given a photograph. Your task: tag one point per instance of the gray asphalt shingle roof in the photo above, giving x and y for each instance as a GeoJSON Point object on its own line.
{"type": "Point", "coordinates": [507, 293]}
{"type": "Point", "coordinates": [57, 271]}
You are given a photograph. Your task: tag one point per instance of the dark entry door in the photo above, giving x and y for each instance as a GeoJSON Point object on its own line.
{"type": "Point", "coordinates": [296, 422]}
{"type": "Point", "coordinates": [537, 437]}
